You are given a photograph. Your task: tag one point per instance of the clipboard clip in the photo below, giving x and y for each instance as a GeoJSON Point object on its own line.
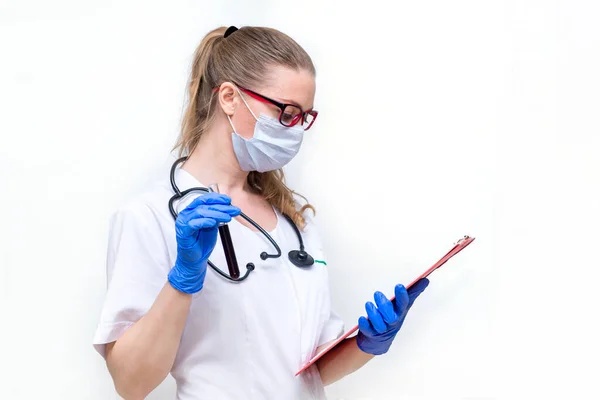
{"type": "Point", "coordinates": [463, 239]}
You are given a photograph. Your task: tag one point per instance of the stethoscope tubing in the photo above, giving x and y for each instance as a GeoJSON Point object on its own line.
{"type": "Point", "coordinates": [294, 255]}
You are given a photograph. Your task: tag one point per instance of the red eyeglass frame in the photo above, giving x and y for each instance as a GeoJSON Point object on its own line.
{"type": "Point", "coordinates": [281, 106]}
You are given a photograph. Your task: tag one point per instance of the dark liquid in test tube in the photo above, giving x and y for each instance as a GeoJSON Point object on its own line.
{"type": "Point", "coordinates": [225, 235]}
{"type": "Point", "coordinates": [232, 264]}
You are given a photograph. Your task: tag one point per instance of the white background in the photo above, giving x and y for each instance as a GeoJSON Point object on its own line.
{"type": "Point", "coordinates": [438, 119]}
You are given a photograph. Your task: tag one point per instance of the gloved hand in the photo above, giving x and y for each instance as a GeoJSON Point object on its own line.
{"type": "Point", "coordinates": [196, 229]}
{"type": "Point", "coordinates": [376, 334]}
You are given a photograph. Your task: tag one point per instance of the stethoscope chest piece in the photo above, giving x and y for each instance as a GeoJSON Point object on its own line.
{"type": "Point", "coordinates": [300, 258]}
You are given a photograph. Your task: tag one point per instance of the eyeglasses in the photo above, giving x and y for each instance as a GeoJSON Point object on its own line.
{"type": "Point", "coordinates": [289, 114]}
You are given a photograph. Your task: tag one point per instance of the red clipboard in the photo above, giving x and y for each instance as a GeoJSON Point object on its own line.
{"type": "Point", "coordinates": [458, 246]}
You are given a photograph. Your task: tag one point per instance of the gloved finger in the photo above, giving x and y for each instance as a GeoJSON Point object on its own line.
{"type": "Point", "coordinates": [202, 212]}
{"type": "Point", "coordinates": [185, 228]}
{"type": "Point", "coordinates": [401, 300]}
{"type": "Point", "coordinates": [209, 198]}
{"type": "Point", "coordinates": [416, 289]}
{"type": "Point", "coordinates": [386, 308]}
{"type": "Point", "coordinates": [365, 327]}
{"type": "Point", "coordinates": [188, 229]}
{"type": "Point", "coordinates": [227, 209]}
{"type": "Point", "coordinates": [202, 223]}
{"type": "Point", "coordinates": [209, 211]}
{"type": "Point", "coordinates": [375, 318]}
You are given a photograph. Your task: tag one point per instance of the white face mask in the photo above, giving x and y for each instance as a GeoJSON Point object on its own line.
{"type": "Point", "coordinates": [272, 146]}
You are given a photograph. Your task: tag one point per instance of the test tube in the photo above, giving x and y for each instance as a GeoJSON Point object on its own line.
{"type": "Point", "coordinates": [225, 235]}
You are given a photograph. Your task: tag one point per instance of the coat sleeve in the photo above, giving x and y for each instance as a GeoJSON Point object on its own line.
{"type": "Point", "coordinates": [137, 266]}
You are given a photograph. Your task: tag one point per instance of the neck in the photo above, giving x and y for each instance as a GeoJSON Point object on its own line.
{"type": "Point", "coordinates": [213, 161]}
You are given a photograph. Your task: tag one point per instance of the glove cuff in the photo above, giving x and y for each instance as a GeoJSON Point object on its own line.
{"type": "Point", "coordinates": [369, 346]}
{"type": "Point", "coordinates": [183, 282]}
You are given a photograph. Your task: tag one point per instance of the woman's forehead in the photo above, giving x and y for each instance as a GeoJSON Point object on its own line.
{"type": "Point", "coordinates": [291, 86]}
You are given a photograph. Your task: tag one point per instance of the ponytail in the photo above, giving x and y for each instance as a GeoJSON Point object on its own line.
{"type": "Point", "coordinates": [197, 116]}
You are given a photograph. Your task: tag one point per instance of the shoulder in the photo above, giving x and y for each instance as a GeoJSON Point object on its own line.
{"type": "Point", "coordinates": [309, 213]}
{"type": "Point", "coordinates": [145, 209]}
{"type": "Point", "coordinates": [310, 231]}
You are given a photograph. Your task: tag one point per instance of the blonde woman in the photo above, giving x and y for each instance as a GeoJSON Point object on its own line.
{"type": "Point", "coordinates": [233, 334]}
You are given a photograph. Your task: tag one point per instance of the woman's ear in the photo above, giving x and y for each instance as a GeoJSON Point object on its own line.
{"type": "Point", "coordinates": [228, 98]}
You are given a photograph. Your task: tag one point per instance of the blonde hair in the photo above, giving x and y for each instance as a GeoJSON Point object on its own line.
{"type": "Point", "coordinates": [244, 57]}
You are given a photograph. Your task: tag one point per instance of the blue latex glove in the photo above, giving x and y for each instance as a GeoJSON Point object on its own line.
{"type": "Point", "coordinates": [196, 229]}
{"type": "Point", "coordinates": [376, 334]}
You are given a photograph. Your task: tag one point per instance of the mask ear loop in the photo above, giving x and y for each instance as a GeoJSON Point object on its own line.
{"type": "Point", "coordinates": [247, 106]}
{"type": "Point", "coordinates": [231, 123]}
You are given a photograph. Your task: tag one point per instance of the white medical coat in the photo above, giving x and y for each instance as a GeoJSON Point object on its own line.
{"type": "Point", "coordinates": [240, 341]}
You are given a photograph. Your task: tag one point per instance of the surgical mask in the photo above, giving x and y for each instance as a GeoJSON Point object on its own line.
{"type": "Point", "coordinates": [272, 146]}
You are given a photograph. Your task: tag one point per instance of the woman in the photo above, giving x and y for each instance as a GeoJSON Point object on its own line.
{"type": "Point", "coordinates": [168, 310]}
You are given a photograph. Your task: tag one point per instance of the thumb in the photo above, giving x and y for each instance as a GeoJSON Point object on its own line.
{"type": "Point", "coordinates": [416, 290]}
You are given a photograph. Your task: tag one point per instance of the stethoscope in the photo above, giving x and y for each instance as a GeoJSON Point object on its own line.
{"type": "Point", "coordinates": [299, 258]}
